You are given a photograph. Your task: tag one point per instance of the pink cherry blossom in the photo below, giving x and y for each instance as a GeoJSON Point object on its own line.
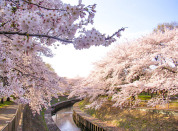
{"type": "Point", "coordinates": [148, 63]}
{"type": "Point", "coordinates": [27, 29]}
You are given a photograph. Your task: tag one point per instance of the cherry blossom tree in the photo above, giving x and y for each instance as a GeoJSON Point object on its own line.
{"type": "Point", "coordinates": [148, 63]}
{"type": "Point", "coordinates": [163, 26]}
{"type": "Point", "coordinates": [27, 29]}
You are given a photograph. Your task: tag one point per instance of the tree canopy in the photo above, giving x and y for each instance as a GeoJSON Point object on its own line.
{"type": "Point", "coordinates": [145, 64]}
{"type": "Point", "coordinates": [27, 29]}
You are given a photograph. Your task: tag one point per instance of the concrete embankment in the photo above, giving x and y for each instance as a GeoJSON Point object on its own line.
{"type": "Point", "coordinates": [89, 123]}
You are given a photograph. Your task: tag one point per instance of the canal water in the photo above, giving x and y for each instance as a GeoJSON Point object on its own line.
{"type": "Point", "coordinates": [64, 120]}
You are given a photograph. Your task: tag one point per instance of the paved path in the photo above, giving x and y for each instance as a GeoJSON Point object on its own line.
{"type": "Point", "coordinates": [7, 113]}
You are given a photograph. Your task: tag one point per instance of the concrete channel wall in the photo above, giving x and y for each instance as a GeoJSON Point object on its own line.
{"type": "Point", "coordinates": [53, 109]}
{"type": "Point", "coordinates": [14, 123]}
{"type": "Point", "coordinates": [89, 123]}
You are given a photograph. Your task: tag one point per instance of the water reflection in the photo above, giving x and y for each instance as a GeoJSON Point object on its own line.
{"type": "Point", "coordinates": [64, 120]}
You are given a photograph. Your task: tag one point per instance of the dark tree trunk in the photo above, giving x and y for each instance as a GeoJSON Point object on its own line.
{"type": "Point", "coordinates": [8, 98]}
{"type": "Point", "coordinates": [2, 100]}
{"type": "Point", "coordinates": [164, 95]}
{"type": "Point", "coordinates": [133, 98]}
{"type": "Point", "coordinates": [151, 95]}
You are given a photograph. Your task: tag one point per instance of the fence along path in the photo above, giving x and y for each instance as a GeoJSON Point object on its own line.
{"type": "Point", "coordinates": [9, 117]}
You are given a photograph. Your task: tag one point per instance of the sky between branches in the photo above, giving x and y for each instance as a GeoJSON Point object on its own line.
{"type": "Point", "coordinates": [140, 16]}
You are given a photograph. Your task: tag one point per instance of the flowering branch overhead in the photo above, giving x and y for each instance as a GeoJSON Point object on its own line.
{"type": "Point", "coordinates": [53, 37]}
{"type": "Point", "coordinates": [35, 35]}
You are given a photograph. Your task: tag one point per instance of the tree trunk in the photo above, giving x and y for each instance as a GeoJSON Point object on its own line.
{"type": "Point", "coordinates": [2, 100]}
{"type": "Point", "coordinates": [133, 98]}
{"type": "Point", "coordinates": [151, 95]}
{"type": "Point", "coordinates": [8, 98]}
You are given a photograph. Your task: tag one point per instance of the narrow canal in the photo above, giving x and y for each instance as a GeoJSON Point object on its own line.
{"type": "Point", "coordinates": [64, 120]}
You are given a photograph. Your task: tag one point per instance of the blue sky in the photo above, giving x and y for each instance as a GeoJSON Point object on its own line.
{"type": "Point", "coordinates": [140, 16]}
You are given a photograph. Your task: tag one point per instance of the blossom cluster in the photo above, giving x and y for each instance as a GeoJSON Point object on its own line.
{"type": "Point", "coordinates": [51, 18]}
{"type": "Point", "coordinates": [92, 37]}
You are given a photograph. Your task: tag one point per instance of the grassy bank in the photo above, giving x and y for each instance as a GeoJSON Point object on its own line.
{"type": "Point", "coordinates": [132, 119]}
{"type": "Point", "coordinates": [6, 103]}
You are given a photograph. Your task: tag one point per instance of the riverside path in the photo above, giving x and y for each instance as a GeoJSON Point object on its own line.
{"type": "Point", "coordinates": [7, 113]}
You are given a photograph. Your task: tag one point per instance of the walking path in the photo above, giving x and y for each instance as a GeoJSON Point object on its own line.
{"type": "Point", "coordinates": [7, 113]}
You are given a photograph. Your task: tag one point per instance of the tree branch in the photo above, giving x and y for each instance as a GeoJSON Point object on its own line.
{"type": "Point", "coordinates": [52, 37]}
{"type": "Point", "coordinates": [37, 35]}
{"type": "Point", "coordinates": [122, 29]}
{"type": "Point", "coordinates": [2, 24]}
{"type": "Point", "coordinates": [28, 75]}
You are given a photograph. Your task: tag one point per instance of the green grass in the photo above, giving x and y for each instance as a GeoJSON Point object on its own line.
{"type": "Point", "coordinates": [6, 103]}
{"type": "Point", "coordinates": [144, 97]}
{"type": "Point", "coordinates": [82, 105]}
